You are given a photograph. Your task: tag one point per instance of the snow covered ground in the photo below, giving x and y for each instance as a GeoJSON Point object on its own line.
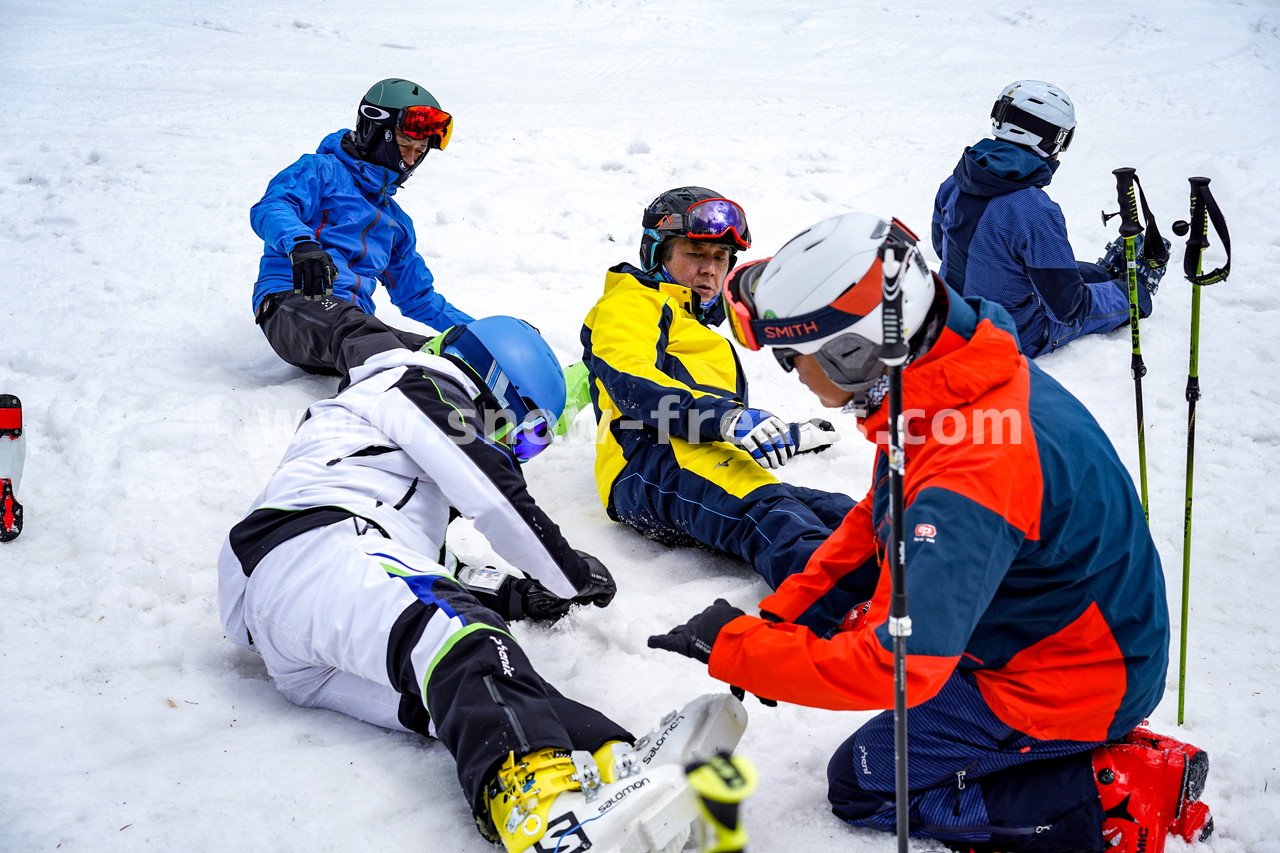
{"type": "Point", "coordinates": [138, 133]}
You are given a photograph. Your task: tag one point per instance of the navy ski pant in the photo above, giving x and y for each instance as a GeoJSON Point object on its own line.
{"type": "Point", "coordinates": [1109, 309]}
{"type": "Point", "coordinates": [774, 526]}
{"type": "Point", "coordinates": [973, 780]}
{"type": "Point", "coordinates": [327, 336]}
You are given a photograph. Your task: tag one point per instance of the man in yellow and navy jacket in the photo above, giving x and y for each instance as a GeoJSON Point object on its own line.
{"type": "Point", "coordinates": [681, 457]}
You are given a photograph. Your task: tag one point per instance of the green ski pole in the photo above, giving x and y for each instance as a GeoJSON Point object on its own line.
{"type": "Point", "coordinates": [1155, 256]}
{"type": "Point", "coordinates": [1203, 209]}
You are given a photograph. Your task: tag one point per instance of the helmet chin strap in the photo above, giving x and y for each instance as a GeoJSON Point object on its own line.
{"type": "Point", "coordinates": [383, 151]}
{"type": "Point", "coordinates": [868, 398]}
{"type": "Point", "coordinates": [870, 392]}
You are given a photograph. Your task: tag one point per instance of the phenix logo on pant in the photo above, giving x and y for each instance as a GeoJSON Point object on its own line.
{"type": "Point", "coordinates": [507, 669]}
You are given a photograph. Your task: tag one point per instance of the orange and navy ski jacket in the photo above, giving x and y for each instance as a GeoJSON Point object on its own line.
{"type": "Point", "coordinates": [1028, 560]}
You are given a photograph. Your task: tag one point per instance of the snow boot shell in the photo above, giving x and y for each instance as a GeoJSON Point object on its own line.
{"type": "Point", "coordinates": [623, 798]}
{"type": "Point", "coordinates": [1150, 787]}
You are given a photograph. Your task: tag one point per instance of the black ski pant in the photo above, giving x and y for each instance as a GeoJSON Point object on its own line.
{"type": "Point", "coordinates": [327, 336]}
{"type": "Point", "coordinates": [483, 694]}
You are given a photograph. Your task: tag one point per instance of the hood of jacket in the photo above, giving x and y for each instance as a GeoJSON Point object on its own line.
{"type": "Point", "coordinates": [378, 183]}
{"type": "Point", "coordinates": [995, 167]}
{"type": "Point", "coordinates": [976, 352]}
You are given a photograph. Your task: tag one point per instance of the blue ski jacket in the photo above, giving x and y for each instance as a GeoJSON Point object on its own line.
{"type": "Point", "coordinates": [345, 204]}
{"type": "Point", "coordinates": [1000, 237]}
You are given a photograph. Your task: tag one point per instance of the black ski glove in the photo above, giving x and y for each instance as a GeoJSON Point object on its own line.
{"type": "Point", "coordinates": [513, 598]}
{"type": "Point", "coordinates": [601, 588]}
{"type": "Point", "coordinates": [313, 270]}
{"type": "Point", "coordinates": [695, 638]}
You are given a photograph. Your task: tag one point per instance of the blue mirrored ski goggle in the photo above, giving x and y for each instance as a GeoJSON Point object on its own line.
{"type": "Point", "coordinates": [717, 219]}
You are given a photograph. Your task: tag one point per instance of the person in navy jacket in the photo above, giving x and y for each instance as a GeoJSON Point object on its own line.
{"type": "Point", "coordinates": [1000, 237]}
{"type": "Point", "coordinates": [332, 231]}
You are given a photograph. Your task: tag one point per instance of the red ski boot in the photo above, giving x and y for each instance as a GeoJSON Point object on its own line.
{"type": "Point", "coordinates": [1193, 823]}
{"type": "Point", "coordinates": [1150, 786]}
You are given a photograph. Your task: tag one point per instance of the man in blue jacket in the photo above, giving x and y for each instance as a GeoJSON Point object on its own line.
{"type": "Point", "coordinates": [1001, 237]}
{"type": "Point", "coordinates": [332, 231]}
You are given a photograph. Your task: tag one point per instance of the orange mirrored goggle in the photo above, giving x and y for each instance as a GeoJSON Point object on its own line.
{"type": "Point", "coordinates": [429, 123]}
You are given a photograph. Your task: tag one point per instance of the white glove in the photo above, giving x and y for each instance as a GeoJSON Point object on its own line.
{"type": "Point", "coordinates": [766, 437]}
{"type": "Point", "coordinates": [814, 436]}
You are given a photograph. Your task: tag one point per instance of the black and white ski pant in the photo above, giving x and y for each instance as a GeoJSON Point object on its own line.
{"type": "Point", "coordinates": [369, 627]}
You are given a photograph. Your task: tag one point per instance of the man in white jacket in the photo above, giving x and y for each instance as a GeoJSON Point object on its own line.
{"type": "Point", "coordinates": [339, 577]}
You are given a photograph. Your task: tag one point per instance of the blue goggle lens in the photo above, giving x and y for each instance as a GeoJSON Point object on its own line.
{"type": "Point", "coordinates": [531, 438]}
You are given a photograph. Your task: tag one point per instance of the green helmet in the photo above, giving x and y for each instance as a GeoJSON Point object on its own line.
{"type": "Point", "coordinates": [404, 105]}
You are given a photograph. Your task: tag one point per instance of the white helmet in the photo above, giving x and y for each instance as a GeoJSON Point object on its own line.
{"type": "Point", "coordinates": [1036, 114]}
{"type": "Point", "coordinates": [821, 295]}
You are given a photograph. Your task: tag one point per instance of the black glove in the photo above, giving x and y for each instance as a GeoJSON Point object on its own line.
{"type": "Point", "coordinates": [601, 588]}
{"type": "Point", "coordinates": [513, 598]}
{"type": "Point", "coordinates": [741, 696]}
{"type": "Point", "coordinates": [313, 270]}
{"type": "Point", "coordinates": [695, 638]}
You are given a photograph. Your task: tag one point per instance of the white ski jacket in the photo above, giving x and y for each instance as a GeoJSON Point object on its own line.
{"type": "Point", "coordinates": [400, 451]}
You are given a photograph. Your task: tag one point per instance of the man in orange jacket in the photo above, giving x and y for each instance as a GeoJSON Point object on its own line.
{"type": "Point", "coordinates": [1040, 627]}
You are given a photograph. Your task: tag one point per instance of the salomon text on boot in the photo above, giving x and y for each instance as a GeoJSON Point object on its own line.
{"type": "Point", "coordinates": [554, 799]}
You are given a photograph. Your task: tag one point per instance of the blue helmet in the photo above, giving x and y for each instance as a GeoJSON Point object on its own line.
{"type": "Point", "coordinates": [522, 372]}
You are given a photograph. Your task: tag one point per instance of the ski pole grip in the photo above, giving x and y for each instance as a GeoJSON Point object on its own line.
{"type": "Point", "coordinates": [1205, 212]}
{"type": "Point", "coordinates": [893, 344]}
{"type": "Point", "coordinates": [721, 782]}
{"type": "Point", "coordinates": [1199, 234]}
{"type": "Point", "coordinates": [1129, 224]}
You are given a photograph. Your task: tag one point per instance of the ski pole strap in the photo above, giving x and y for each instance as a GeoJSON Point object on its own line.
{"type": "Point", "coordinates": [1204, 210]}
{"type": "Point", "coordinates": [1153, 249]}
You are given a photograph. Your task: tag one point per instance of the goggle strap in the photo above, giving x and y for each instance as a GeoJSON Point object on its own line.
{"type": "Point", "coordinates": [812, 326]}
{"type": "Point", "coordinates": [1004, 110]}
{"type": "Point", "coordinates": [821, 323]}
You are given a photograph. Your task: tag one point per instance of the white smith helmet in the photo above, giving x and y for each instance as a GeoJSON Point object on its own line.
{"type": "Point", "coordinates": [821, 295]}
